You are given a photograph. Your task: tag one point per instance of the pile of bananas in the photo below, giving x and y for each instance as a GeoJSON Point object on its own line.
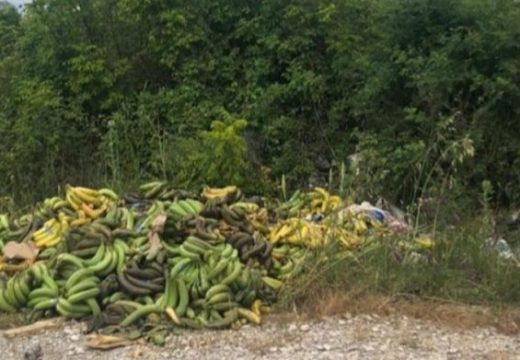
{"type": "Point", "coordinates": [297, 231]}
{"type": "Point", "coordinates": [159, 253]}
{"type": "Point", "coordinates": [163, 255]}
{"type": "Point", "coordinates": [318, 201]}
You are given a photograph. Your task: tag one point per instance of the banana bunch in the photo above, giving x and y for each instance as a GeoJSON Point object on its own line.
{"type": "Point", "coordinates": [322, 202]}
{"type": "Point", "coordinates": [211, 285]}
{"type": "Point", "coordinates": [139, 277]}
{"type": "Point", "coordinates": [349, 239]}
{"type": "Point", "coordinates": [88, 202]}
{"type": "Point", "coordinates": [287, 261]}
{"type": "Point", "coordinates": [160, 190]}
{"type": "Point", "coordinates": [226, 195]}
{"type": "Point", "coordinates": [14, 294]}
{"type": "Point", "coordinates": [52, 231]}
{"type": "Point", "coordinates": [50, 208]}
{"type": "Point", "coordinates": [253, 249]}
{"type": "Point", "coordinates": [245, 207]}
{"type": "Point", "coordinates": [16, 229]}
{"type": "Point", "coordinates": [45, 292]}
{"type": "Point", "coordinates": [297, 231]}
{"type": "Point", "coordinates": [294, 206]}
{"type": "Point", "coordinates": [206, 229]}
{"type": "Point", "coordinates": [183, 209]}
{"type": "Point", "coordinates": [80, 294]}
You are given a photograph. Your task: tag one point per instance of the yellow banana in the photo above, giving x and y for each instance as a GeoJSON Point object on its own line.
{"type": "Point", "coordinates": [73, 200]}
{"type": "Point", "coordinates": [87, 196]}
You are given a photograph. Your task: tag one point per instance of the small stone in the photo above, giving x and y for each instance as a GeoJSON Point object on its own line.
{"type": "Point", "coordinates": [341, 322]}
{"type": "Point", "coordinates": [273, 349]}
{"type": "Point", "coordinates": [305, 327]}
{"type": "Point", "coordinates": [74, 337]}
{"type": "Point", "coordinates": [292, 327]}
{"type": "Point", "coordinates": [324, 347]}
{"type": "Point", "coordinates": [33, 353]}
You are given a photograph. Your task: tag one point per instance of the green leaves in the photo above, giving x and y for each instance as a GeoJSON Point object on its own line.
{"type": "Point", "coordinates": [419, 88]}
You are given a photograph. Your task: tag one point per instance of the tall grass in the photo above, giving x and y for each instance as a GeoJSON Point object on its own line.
{"type": "Point", "coordinates": [458, 269]}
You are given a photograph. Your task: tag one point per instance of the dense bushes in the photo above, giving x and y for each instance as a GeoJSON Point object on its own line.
{"type": "Point", "coordinates": [115, 91]}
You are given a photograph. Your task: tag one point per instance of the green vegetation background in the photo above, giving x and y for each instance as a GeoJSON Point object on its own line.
{"type": "Point", "coordinates": [115, 92]}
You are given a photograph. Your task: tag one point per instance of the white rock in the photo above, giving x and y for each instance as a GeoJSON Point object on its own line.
{"type": "Point", "coordinates": [305, 327]}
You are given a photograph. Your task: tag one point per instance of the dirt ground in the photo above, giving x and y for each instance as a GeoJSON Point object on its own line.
{"type": "Point", "coordinates": [391, 331]}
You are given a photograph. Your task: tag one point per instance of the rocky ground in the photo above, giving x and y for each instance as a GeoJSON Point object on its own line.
{"type": "Point", "coordinates": [336, 337]}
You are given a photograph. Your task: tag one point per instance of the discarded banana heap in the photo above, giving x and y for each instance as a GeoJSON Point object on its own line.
{"type": "Point", "coordinates": [162, 255]}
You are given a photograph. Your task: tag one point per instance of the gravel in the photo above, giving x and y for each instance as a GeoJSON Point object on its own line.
{"type": "Point", "coordinates": [338, 337]}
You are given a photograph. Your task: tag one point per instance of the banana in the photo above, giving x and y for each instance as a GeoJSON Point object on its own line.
{"type": "Point", "coordinates": [150, 185]}
{"type": "Point", "coordinates": [219, 298]}
{"type": "Point", "coordinates": [98, 256]}
{"type": "Point", "coordinates": [10, 295]}
{"type": "Point", "coordinates": [182, 291]}
{"type": "Point", "coordinates": [112, 264]}
{"type": "Point", "coordinates": [119, 295]}
{"type": "Point", "coordinates": [105, 263]}
{"type": "Point", "coordinates": [104, 230]}
{"type": "Point", "coordinates": [187, 207]}
{"type": "Point", "coordinates": [249, 315]}
{"type": "Point", "coordinates": [195, 205]}
{"type": "Point", "coordinates": [227, 251]}
{"type": "Point", "coordinates": [73, 200]}
{"type": "Point", "coordinates": [83, 295]}
{"type": "Point", "coordinates": [85, 253]}
{"type": "Point", "coordinates": [72, 311]}
{"type": "Point", "coordinates": [45, 304]}
{"type": "Point", "coordinates": [71, 259]}
{"type": "Point", "coordinates": [109, 194]}
{"type": "Point", "coordinates": [179, 267]}
{"type": "Point", "coordinates": [221, 266]}
{"type": "Point", "coordinates": [228, 319]}
{"type": "Point", "coordinates": [195, 242]}
{"type": "Point", "coordinates": [152, 285]}
{"type": "Point", "coordinates": [155, 190]}
{"type": "Point", "coordinates": [184, 252]}
{"type": "Point", "coordinates": [217, 289]}
{"type": "Point", "coordinates": [85, 284]}
{"type": "Point", "coordinates": [87, 196]}
{"type": "Point", "coordinates": [272, 282]}
{"type": "Point", "coordinates": [94, 306]}
{"type": "Point", "coordinates": [120, 249]}
{"type": "Point", "coordinates": [18, 293]}
{"type": "Point", "coordinates": [49, 228]}
{"type": "Point", "coordinates": [233, 275]}
{"type": "Point", "coordinates": [77, 276]}
{"type": "Point", "coordinates": [144, 310]}
{"type": "Point", "coordinates": [177, 211]}
{"type": "Point", "coordinates": [129, 287]}
{"type": "Point", "coordinates": [42, 292]}
{"type": "Point", "coordinates": [48, 281]}
{"type": "Point", "coordinates": [173, 315]}
{"type": "Point", "coordinates": [5, 306]}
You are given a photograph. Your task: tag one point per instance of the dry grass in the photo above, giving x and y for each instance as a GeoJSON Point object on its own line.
{"type": "Point", "coordinates": [456, 315]}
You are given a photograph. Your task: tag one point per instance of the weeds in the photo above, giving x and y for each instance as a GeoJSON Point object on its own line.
{"type": "Point", "coordinates": [459, 269]}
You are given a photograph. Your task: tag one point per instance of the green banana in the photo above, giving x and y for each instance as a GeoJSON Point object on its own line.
{"type": "Point", "coordinates": [216, 289]}
{"type": "Point", "coordinates": [5, 306]}
{"type": "Point", "coordinates": [83, 295]}
{"type": "Point", "coordinates": [233, 275]}
{"type": "Point", "coordinates": [85, 284]}
{"type": "Point", "coordinates": [77, 276]}
{"type": "Point", "coordinates": [228, 319]}
{"type": "Point", "coordinates": [143, 310]}
{"type": "Point", "coordinates": [184, 299]}
{"type": "Point", "coordinates": [45, 304]}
